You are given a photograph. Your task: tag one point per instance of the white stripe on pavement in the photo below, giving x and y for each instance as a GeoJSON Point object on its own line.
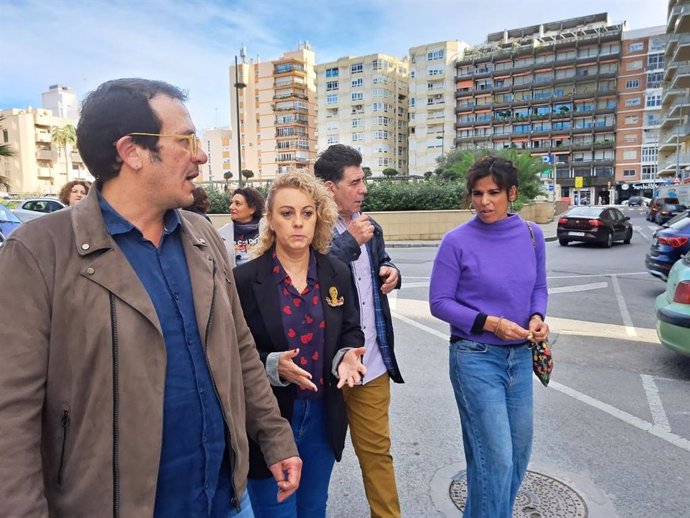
{"type": "Point", "coordinates": [579, 287]}
{"type": "Point", "coordinates": [622, 306]}
{"type": "Point", "coordinates": [653, 429]}
{"type": "Point", "coordinates": [656, 407]}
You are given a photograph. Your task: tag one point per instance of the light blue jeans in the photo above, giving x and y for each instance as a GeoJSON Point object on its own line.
{"type": "Point", "coordinates": [310, 499]}
{"type": "Point", "coordinates": [493, 391]}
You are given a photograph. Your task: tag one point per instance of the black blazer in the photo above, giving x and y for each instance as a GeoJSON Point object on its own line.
{"type": "Point", "coordinates": [260, 304]}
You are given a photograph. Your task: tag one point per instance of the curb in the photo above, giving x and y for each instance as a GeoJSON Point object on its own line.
{"type": "Point", "coordinates": [434, 244]}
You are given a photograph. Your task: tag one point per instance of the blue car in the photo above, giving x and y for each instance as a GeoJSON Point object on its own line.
{"type": "Point", "coordinates": [8, 221]}
{"type": "Point", "coordinates": [668, 246]}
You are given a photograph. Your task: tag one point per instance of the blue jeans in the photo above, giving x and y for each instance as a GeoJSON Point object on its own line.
{"type": "Point", "coordinates": [309, 501]}
{"type": "Point", "coordinates": [493, 391]}
{"type": "Point", "coordinates": [245, 508]}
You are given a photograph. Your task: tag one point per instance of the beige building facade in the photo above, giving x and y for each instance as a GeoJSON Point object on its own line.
{"type": "Point", "coordinates": [363, 103]}
{"type": "Point", "coordinates": [38, 166]}
{"type": "Point", "coordinates": [277, 114]}
{"type": "Point", "coordinates": [432, 103]}
{"type": "Point", "coordinates": [216, 143]}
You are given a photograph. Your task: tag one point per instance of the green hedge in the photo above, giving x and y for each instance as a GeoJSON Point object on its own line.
{"type": "Point", "coordinates": [386, 195]}
{"type": "Point", "coordinates": [429, 195]}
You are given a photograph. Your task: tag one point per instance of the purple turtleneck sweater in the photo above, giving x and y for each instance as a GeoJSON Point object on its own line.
{"type": "Point", "coordinates": [491, 269]}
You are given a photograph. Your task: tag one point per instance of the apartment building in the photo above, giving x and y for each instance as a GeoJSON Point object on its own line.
{"type": "Point", "coordinates": [277, 113]}
{"type": "Point", "coordinates": [550, 89]}
{"type": "Point", "coordinates": [432, 103]}
{"type": "Point", "coordinates": [674, 134]}
{"type": "Point", "coordinates": [62, 101]}
{"type": "Point", "coordinates": [216, 143]}
{"type": "Point", "coordinates": [363, 103]}
{"type": "Point", "coordinates": [37, 166]}
{"type": "Point", "coordinates": [639, 111]}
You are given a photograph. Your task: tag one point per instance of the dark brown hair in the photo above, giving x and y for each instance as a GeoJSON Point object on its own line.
{"type": "Point", "coordinates": [254, 199]}
{"type": "Point", "coordinates": [501, 171]}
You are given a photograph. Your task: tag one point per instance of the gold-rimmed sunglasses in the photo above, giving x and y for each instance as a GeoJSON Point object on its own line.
{"type": "Point", "coordinates": [194, 142]}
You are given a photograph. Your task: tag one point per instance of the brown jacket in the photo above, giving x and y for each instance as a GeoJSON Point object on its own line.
{"type": "Point", "coordinates": [82, 369]}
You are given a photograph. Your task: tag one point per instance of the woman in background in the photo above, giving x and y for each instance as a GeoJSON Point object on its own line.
{"type": "Point", "coordinates": [73, 192]}
{"type": "Point", "coordinates": [246, 210]}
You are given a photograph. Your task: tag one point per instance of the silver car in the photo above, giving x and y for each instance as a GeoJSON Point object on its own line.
{"type": "Point", "coordinates": [37, 207]}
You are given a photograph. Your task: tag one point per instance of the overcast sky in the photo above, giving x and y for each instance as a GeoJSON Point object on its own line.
{"type": "Point", "coordinates": [191, 43]}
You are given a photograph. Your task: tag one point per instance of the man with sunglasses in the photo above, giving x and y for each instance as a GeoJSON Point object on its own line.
{"type": "Point", "coordinates": [129, 380]}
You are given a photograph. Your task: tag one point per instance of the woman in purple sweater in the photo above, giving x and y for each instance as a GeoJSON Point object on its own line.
{"type": "Point", "coordinates": [489, 284]}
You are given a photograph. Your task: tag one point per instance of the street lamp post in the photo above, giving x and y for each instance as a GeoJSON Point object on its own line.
{"type": "Point", "coordinates": [238, 85]}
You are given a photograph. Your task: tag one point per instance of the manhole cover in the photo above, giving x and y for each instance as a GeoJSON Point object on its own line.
{"type": "Point", "coordinates": [539, 497]}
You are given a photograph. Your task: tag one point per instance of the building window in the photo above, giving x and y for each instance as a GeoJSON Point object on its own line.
{"type": "Point", "coordinates": [381, 134]}
{"type": "Point", "coordinates": [628, 172]}
{"type": "Point", "coordinates": [331, 85]}
{"type": "Point", "coordinates": [634, 65]}
{"type": "Point", "coordinates": [357, 68]}
{"type": "Point", "coordinates": [434, 71]}
{"type": "Point", "coordinates": [435, 54]}
{"type": "Point", "coordinates": [649, 154]}
{"type": "Point", "coordinates": [630, 137]}
{"type": "Point", "coordinates": [635, 47]}
{"type": "Point", "coordinates": [632, 83]}
{"type": "Point", "coordinates": [412, 102]}
{"type": "Point", "coordinates": [632, 119]}
{"type": "Point", "coordinates": [333, 139]}
{"type": "Point", "coordinates": [358, 136]}
{"type": "Point", "coordinates": [332, 72]}
{"type": "Point", "coordinates": [332, 99]}
{"type": "Point", "coordinates": [648, 172]}
{"type": "Point", "coordinates": [653, 101]}
{"type": "Point", "coordinates": [357, 96]}
{"type": "Point", "coordinates": [654, 79]}
{"type": "Point", "coordinates": [357, 82]}
{"type": "Point", "coordinates": [357, 123]}
{"type": "Point", "coordinates": [655, 61]}
{"type": "Point", "coordinates": [635, 101]}
{"type": "Point", "coordinates": [413, 74]}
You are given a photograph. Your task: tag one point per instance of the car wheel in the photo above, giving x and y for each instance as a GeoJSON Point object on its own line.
{"type": "Point", "coordinates": [609, 240]}
{"type": "Point", "coordinates": [563, 242]}
{"type": "Point", "coordinates": [628, 236]}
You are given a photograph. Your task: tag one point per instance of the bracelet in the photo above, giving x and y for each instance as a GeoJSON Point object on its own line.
{"type": "Point", "coordinates": [498, 326]}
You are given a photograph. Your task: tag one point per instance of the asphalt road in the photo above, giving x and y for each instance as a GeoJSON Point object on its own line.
{"type": "Point", "coordinates": [614, 424]}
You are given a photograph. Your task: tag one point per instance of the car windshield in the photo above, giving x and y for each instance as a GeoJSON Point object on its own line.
{"type": "Point", "coordinates": [670, 206]}
{"type": "Point", "coordinates": [584, 212]}
{"type": "Point", "coordinates": [6, 215]}
{"type": "Point", "coordinates": [678, 217]}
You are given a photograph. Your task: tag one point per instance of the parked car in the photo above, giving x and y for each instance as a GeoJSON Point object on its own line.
{"type": "Point", "coordinates": [677, 217]}
{"type": "Point", "coordinates": [37, 207]}
{"type": "Point", "coordinates": [667, 246]}
{"type": "Point", "coordinates": [668, 211]}
{"type": "Point", "coordinates": [8, 221]}
{"type": "Point", "coordinates": [635, 201]}
{"type": "Point", "coordinates": [594, 225]}
{"type": "Point", "coordinates": [657, 203]}
{"type": "Point", "coordinates": [2, 238]}
{"type": "Point", "coordinates": [673, 309]}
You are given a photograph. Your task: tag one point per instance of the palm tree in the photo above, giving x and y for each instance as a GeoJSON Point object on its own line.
{"type": "Point", "coordinates": [65, 137]}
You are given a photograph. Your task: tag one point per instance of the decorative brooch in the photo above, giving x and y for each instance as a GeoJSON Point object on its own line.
{"type": "Point", "coordinates": [333, 300]}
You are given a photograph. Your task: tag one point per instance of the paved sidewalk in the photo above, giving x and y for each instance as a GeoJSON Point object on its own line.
{"type": "Point", "coordinates": [549, 230]}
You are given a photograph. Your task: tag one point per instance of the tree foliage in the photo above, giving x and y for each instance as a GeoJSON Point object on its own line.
{"type": "Point", "coordinates": [64, 137]}
{"type": "Point", "coordinates": [5, 149]}
{"type": "Point", "coordinates": [247, 173]}
{"type": "Point", "coordinates": [455, 164]}
{"type": "Point", "coordinates": [390, 172]}
{"type": "Point", "coordinates": [367, 171]}
{"type": "Point", "coordinates": [437, 195]}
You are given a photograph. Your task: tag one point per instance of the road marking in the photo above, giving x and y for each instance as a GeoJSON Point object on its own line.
{"type": "Point", "coordinates": [656, 407]}
{"type": "Point", "coordinates": [579, 287]}
{"type": "Point", "coordinates": [639, 231]}
{"type": "Point", "coordinates": [416, 324]}
{"type": "Point", "coordinates": [622, 306]}
{"type": "Point", "coordinates": [653, 429]}
{"type": "Point", "coordinates": [414, 308]}
{"type": "Point", "coordinates": [578, 275]}
{"type": "Point", "coordinates": [630, 419]}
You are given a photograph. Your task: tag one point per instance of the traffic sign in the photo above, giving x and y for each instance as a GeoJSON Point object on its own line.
{"type": "Point", "coordinates": [578, 182]}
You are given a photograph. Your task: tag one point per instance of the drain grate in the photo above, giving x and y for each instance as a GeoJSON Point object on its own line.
{"type": "Point", "coordinates": [540, 496]}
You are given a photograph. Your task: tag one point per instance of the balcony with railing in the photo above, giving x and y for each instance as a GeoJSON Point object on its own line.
{"type": "Point", "coordinates": [44, 154]}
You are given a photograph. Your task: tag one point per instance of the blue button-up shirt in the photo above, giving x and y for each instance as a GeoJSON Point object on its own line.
{"type": "Point", "coordinates": [193, 477]}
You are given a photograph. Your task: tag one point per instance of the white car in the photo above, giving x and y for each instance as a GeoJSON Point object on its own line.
{"type": "Point", "coordinates": [37, 207]}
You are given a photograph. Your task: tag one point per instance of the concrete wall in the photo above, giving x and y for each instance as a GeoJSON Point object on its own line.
{"type": "Point", "coordinates": [428, 225]}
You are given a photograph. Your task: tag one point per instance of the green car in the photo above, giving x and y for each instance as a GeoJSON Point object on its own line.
{"type": "Point", "coordinates": [673, 308]}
